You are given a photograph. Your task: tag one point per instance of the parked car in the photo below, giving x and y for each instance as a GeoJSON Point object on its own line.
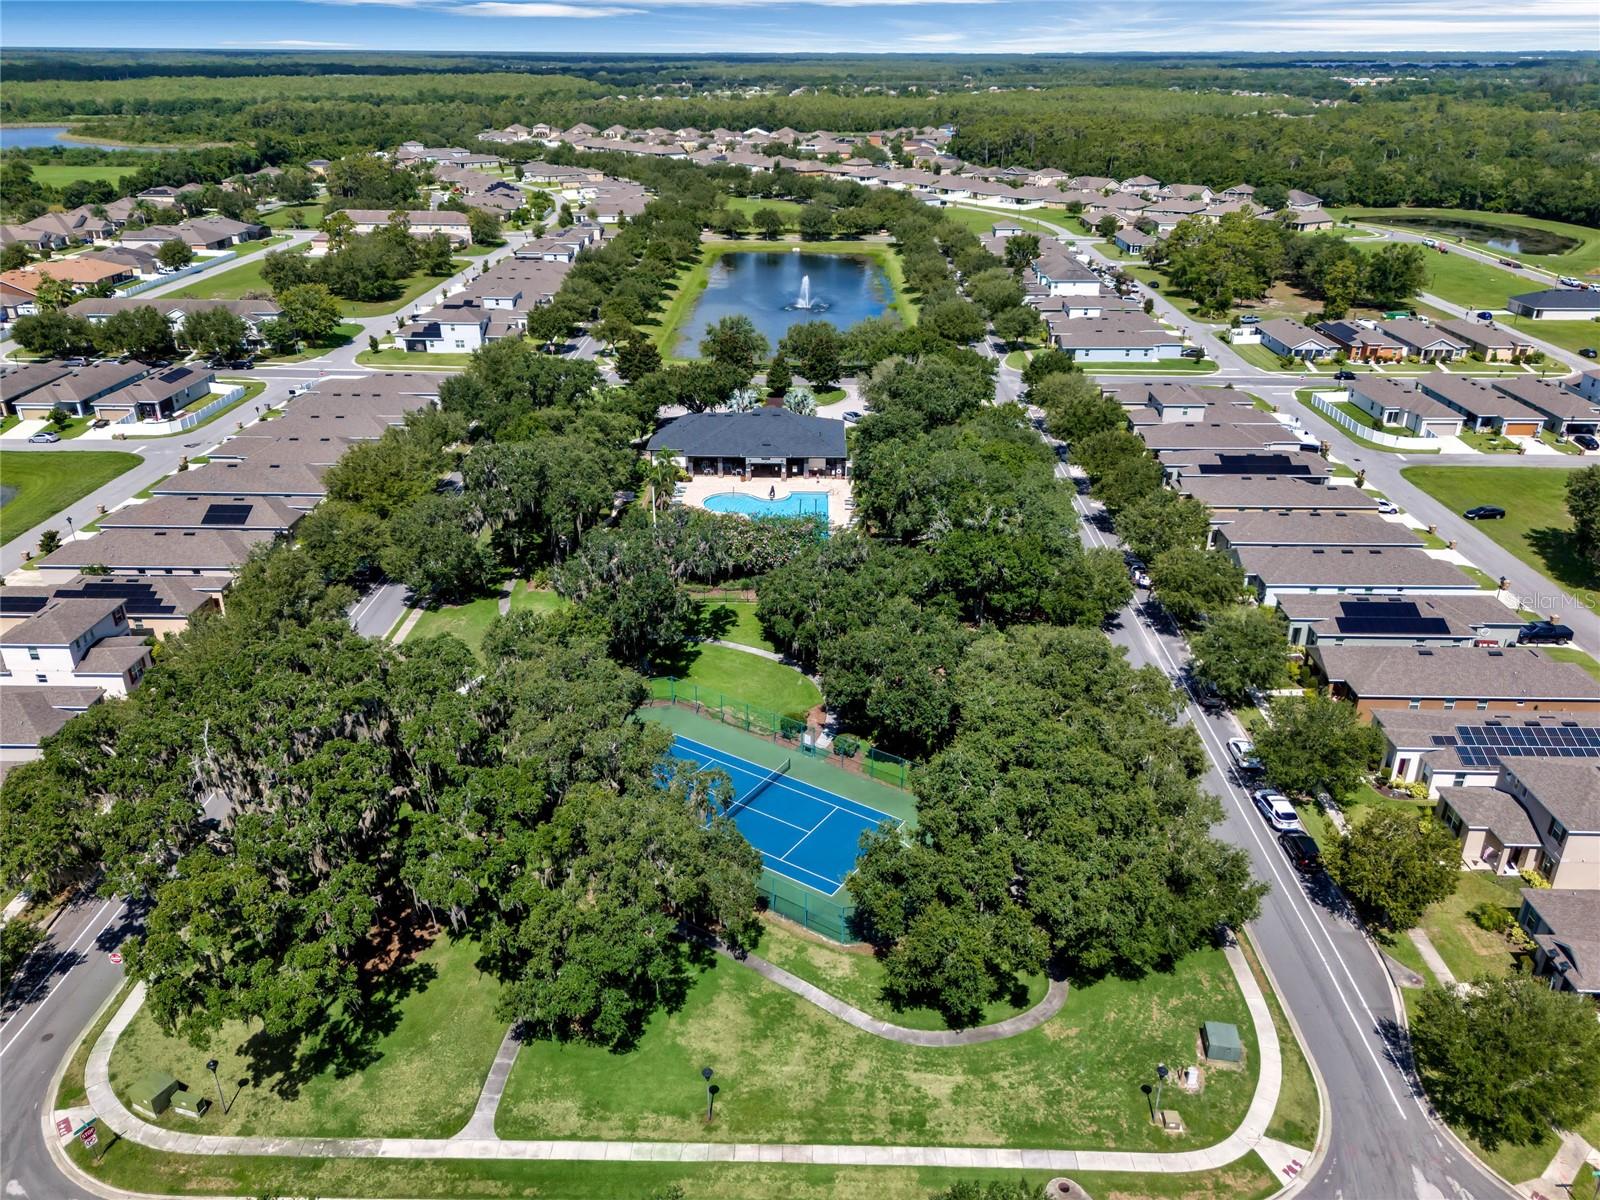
{"type": "Point", "coordinates": [1587, 440]}
{"type": "Point", "coordinates": [1251, 319]}
{"type": "Point", "coordinates": [1275, 807]}
{"type": "Point", "coordinates": [1342, 374]}
{"type": "Point", "coordinates": [1483, 314]}
{"type": "Point", "coordinates": [852, 416]}
{"type": "Point", "coordinates": [1589, 352]}
{"type": "Point", "coordinates": [1303, 851]}
{"type": "Point", "coordinates": [1485, 512]}
{"type": "Point", "coordinates": [1387, 507]}
{"type": "Point", "coordinates": [1243, 753]}
{"type": "Point", "coordinates": [1543, 633]}
{"type": "Point", "coordinates": [1509, 262]}
{"type": "Point", "coordinates": [46, 435]}
{"type": "Point", "coordinates": [1569, 281]}
{"type": "Point", "coordinates": [1210, 699]}
{"type": "Point", "coordinates": [1192, 352]}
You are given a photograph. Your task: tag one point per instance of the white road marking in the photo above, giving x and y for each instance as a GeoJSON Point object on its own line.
{"type": "Point", "coordinates": [87, 929]}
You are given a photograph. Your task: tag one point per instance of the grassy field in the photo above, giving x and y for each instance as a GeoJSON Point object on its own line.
{"type": "Point", "coordinates": [680, 302]}
{"type": "Point", "coordinates": [393, 356]}
{"type": "Point", "coordinates": [294, 216]}
{"type": "Point", "coordinates": [471, 621]}
{"type": "Point", "coordinates": [415, 1070]}
{"type": "Point", "coordinates": [789, 210]}
{"type": "Point", "coordinates": [857, 977]}
{"type": "Point", "coordinates": [790, 1072]}
{"type": "Point", "coordinates": [410, 288]}
{"type": "Point", "coordinates": [1569, 335]}
{"type": "Point", "coordinates": [983, 221]}
{"type": "Point", "coordinates": [48, 481]}
{"type": "Point", "coordinates": [1536, 527]}
{"type": "Point", "coordinates": [135, 1168]}
{"type": "Point", "coordinates": [60, 174]}
{"type": "Point", "coordinates": [245, 279]}
{"type": "Point", "coordinates": [1466, 949]}
{"type": "Point", "coordinates": [735, 621]}
{"type": "Point", "coordinates": [1582, 260]}
{"type": "Point", "coordinates": [749, 678]}
{"type": "Point", "coordinates": [1165, 366]}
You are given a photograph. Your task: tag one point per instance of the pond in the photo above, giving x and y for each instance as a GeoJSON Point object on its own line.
{"type": "Point", "coordinates": [1513, 239]}
{"type": "Point", "coordinates": [777, 289]}
{"type": "Point", "coordinates": [23, 137]}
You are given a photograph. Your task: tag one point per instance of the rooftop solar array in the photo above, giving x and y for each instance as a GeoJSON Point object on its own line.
{"type": "Point", "coordinates": [1485, 745]}
{"type": "Point", "coordinates": [1400, 625]}
{"type": "Point", "coordinates": [139, 596]}
{"type": "Point", "coordinates": [226, 514]}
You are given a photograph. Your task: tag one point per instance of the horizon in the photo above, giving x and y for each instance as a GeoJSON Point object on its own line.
{"type": "Point", "coordinates": [967, 28]}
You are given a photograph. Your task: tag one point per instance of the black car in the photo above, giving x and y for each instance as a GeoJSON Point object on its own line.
{"type": "Point", "coordinates": [1587, 440]}
{"type": "Point", "coordinates": [1344, 374]}
{"type": "Point", "coordinates": [1485, 512]}
{"type": "Point", "coordinates": [1589, 352]}
{"type": "Point", "coordinates": [1302, 850]}
{"type": "Point", "coordinates": [1543, 633]}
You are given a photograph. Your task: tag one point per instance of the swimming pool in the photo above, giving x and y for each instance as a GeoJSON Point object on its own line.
{"type": "Point", "coordinates": [793, 504]}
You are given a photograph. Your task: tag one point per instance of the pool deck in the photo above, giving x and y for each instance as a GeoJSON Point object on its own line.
{"type": "Point", "coordinates": [697, 489]}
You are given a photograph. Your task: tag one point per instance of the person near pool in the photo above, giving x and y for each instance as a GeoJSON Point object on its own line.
{"type": "Point", "coordinates": [772, 492]}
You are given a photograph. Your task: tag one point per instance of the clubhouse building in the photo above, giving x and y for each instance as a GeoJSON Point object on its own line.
{"type": "Point", "coordinates": [767, 442]}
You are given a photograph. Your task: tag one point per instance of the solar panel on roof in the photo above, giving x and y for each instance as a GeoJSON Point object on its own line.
{"type": "Point", "coordinates": [1406, 626]}
{"type": "Point", "coordinates": [226, 514]}
{"type": "Point", "coordinates": [1484, 745]}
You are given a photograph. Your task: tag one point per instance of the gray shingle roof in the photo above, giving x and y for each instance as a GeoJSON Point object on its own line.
{"type": "Point", "coordinates": [763, 433]}
{"type": "Point", "coordinates": [1466, 672]}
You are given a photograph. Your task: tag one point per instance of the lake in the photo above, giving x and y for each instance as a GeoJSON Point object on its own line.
{"type": "Point", "coordinates": [1513, 239]}
{"type": "Point", "coordinates": [765, 286]}
{"type": "Point", "coordinates": [24, 137]}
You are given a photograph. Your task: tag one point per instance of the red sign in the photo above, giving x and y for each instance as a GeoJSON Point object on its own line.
{"type": "Point", "coordinates": [63, 1126]}
{"type": "Point", "coordinates": [116, 958]}
{"type": "Point", "coordinates": [88, 1136]}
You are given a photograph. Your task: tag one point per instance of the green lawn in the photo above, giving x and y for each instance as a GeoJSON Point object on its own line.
{"type": "Point", "coordinates": [790, 1072]}
{"type": "Point", "coordinates": [343, 334]}
{"type": "Point", "coordinates": [1569, 335]}
{"type": "Point", "coordinates": [294, 216]}
{"type": "Point", "coordinates": [1466, 949]}
{"type": "Point", "coordinates": [857, 977]}
{"type": "Point", "coordinates": [135, 1168]}
{"type": "Point", "coordinates": [789, 210]}
{"type": "Point", "coordinates": [1166, 366]}
{"type": "Point", "coordinates": [1258, 355]}
{"type": "Point", "coordinates": [1359, 415]}
{"type": "Point", "coordinates": [982, 221]}
{"type": "Point", "coordinates": [1582, 260]}
{"type": "Point", "coordinates": [245, 279]}
{"type": "Point", "coordinates": [1297, 1116]}
{"type": "Point", "coordinates": [749, 678]}
{"type": "Point", "coordinates": [1536, 527]}
{"type": "Point", "coordinates": [393, 356]}
{"type": "Point", "coordinates": [741, 624]}
{"type": "Point", "coordinates": [471, 621]}
{"type": "Point", "coordinates": [1489, 442]}
{"type": "Point", "coordinates": [48, 481]}
{"type": "Point", "coordinates": [60, 174]}
{"type": "Point", "coordinates": [414, 1070]}
{"type": "Point", "coordinates": [410, 288]}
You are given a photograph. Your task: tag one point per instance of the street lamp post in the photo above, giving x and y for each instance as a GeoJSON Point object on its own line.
{"type": "Point", "coordinates": [706, 1073]}
{"type": "Point", "coordinates": [212, 1067]}
{"type": "Point", "coordinates": [72, 534]}
{"type": "Point", "coordinates": [1161, 1078]}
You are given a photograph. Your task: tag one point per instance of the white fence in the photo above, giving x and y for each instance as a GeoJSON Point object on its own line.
{"type": "Point", "coordinates": [194, 269]}
{"type": "Point", "coordinates": [1366, 432]}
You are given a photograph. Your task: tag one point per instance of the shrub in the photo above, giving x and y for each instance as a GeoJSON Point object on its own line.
{"type": "Point", "coordinates": [1492, 917]}
{"type": "Point", "coordinates": [847, 746]}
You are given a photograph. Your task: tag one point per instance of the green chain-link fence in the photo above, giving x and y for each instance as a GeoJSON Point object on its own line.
{"type": "Point", "coordinates": [846, 751]}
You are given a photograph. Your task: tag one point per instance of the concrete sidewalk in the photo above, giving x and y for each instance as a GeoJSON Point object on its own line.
{"type": "Point", "coordinates": [473, 1144]}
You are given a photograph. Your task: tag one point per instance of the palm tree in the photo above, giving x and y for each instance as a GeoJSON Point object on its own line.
{"type": "Point", "coordinates": [661, 474]}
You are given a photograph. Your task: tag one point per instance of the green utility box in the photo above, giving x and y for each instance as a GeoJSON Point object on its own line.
{"type": "Point", "coordinates": [152, 1095]}
{"type": "Point", "coordinates": [186, 1104]}
{"type": "Point", "coordinates": [1221, 1041]}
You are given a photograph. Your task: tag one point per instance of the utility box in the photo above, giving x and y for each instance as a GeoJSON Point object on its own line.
{"type": "Point", "coordinates": [186, 1104]}
{"type": "Point", "coordinates": [152, 1095]}
{"type": "Point", "coordinates": [1220, 1041]}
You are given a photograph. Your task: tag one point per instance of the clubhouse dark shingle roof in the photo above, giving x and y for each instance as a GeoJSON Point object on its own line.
{"type": "Point", "coordinates": [763, 433]}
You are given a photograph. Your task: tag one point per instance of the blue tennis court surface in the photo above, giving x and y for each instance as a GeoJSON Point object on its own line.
{"type": "Point", "coordinates": [804, 833]}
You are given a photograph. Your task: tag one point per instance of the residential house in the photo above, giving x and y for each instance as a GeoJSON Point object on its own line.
{"type": "Point", "coordinates": [422, 223]}
{"type": "Point", "coordinates": [1464, 749]}
{"type": "Point", "coordinates": [1118, 337]}
{"type": "Point", "coordinates": [1263, 493]}
{"type": "Point", "coordinates": [1299, 201]}
{"type": "Point", "coordinates": [1290, 339]}
{"type": "Point", "coordinates": [1565, 410]}
{"type": "Point", "coordinates": [1542, 814]}
{"type": "Point", "coordinates": [1362, 341]}
{"type": "Point", "coordinates": [158, 396]}
{"type": "Point", "coordinates": [173, 511]}
{"type": "Point", "coordinates": [1391, 402]}
{"type": "Point", "coordinates": [155, 605]}
{"type": "Point", "coordinates": [1514, 680]}
{"type": "Point", "coordinates": [1274, 571]}
{"type": "Point", "coordinates": [1482, 406]}
{"type": "Point", "coordinates": [1245, 437]}
{"type": "Point", "coordinates": [253, 312]}
{"type": "Point", "coordinates": [75, 643]}
{"type": "Point", "coordinates": [28, 715]}
{"type": "Point", "coordinates": [1424, 340]}
{"type": "Point", "coordinates": [1562, 923]}
{"type": "Point", "coordinates": [460, 325]}
{"type": "Point", "coordinates": [1133, 241]}
{"type": "Point", "coordinates": [1488, 341]}
{"type": "Point", "coordinates": [77, 391]}
{"type": "Point", "coordinates": [1360, 530]}
{"type": "Point", "coordinates": [1176, 464]}
{"type": "Point", "coordinates": [1451, 619]}
{"type": "Point", "coordinates": [1312, 220]}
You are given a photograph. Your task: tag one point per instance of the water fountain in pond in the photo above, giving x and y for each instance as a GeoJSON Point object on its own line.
{"type": "Point", "coordinates": [804, 302]}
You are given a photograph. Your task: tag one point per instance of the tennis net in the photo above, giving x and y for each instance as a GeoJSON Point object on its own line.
{"type": "Point", "coordinates": [762, 785]}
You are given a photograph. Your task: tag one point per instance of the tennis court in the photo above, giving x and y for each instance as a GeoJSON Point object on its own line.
{"type": "Point", "coordinates": [804, 832]}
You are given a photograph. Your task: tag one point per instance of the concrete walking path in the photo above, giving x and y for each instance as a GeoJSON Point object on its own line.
{"type": "Point", "coordinates": [1430, 955]}
{"type": "Point", "coordinates": [474, 1145]}
{"type": "Point", "coordinates": [481, 1123]}
{"type": "Point", "coordinates": [740, 646]}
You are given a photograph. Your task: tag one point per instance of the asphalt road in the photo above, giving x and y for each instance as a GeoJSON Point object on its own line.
{"type": "Point", "coordinates": [1383, 1141]}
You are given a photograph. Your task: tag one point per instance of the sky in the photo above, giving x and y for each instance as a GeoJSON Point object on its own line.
{"type": "Point", "coordinates": [812, 26]}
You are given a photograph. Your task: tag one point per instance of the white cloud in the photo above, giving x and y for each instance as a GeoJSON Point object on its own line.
{"type": "Point", "coordinates": [541, 8]}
